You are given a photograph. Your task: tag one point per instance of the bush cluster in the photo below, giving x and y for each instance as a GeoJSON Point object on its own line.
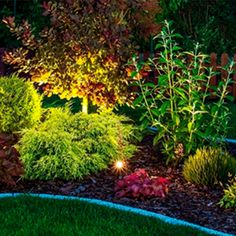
{"type": "Point", "coordinates": [68, 146]}
{"type": "Point", "coordinates": [20, 104]}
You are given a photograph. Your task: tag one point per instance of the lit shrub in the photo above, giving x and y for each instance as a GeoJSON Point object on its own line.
{"type": "Point", "coordinates": [209, 166]}
{"type": "Point", "coordinates": [77, 56]}
{"type": "Point", "coordinates": [50, 154]}
{"type": "Point", "coordinates": [104, 133]}
{"type": "Point", "coordinates": [20, 105]}
{"type": "Point", "coordinates": [68, 146]}
{"type": "Point", "coordinates": [56, 118]}
{"type": "Point", "coordinates": [229, 198]}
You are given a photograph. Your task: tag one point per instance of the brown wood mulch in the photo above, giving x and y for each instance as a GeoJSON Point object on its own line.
{"type": "Point", "coordinates": [184, 201]}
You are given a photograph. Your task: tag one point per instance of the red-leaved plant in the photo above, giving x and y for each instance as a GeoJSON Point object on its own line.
{"type": "Point", "coordinates": [10, 165]}
{"type": "Point", "coordinates": [139, 185]}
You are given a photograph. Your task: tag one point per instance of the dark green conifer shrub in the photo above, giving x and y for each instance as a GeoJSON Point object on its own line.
{"type": "Point", "coordinates": [68, 146]}
{"type": "Point", "coordinates": [20, 104]}
{"type": "Point", "coordinates": [209, 166]}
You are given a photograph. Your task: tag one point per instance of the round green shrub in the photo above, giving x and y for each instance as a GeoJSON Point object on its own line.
{"type": "Point", "coordinates": [68, 146]}
{"type": "Point", "coordinates": [20, 104]}
{"type": "Point", "coordinates": [51, 154]}
{"type": "Point", "coordinates": [209, 166]}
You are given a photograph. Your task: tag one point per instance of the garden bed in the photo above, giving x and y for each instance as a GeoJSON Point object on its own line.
{"type": "Point", "coordinates": [184, 201]}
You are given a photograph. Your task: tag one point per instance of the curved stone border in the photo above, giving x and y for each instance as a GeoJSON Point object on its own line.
{"type": "Point", "coordinates": [164, 218]}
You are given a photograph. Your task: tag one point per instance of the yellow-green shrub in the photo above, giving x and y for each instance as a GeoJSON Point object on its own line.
{"type": "Point", "coordinates": [229, 198]}
{"type": "Point", "coordinates": [68, 146]}
{"type": "Point", "coordinates": [20, 104]}
{"type": "Point", "coordinates": [209, 166]}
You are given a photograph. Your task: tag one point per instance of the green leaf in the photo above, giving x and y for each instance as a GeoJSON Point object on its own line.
{"type": "Point", "coordinates": [179, 63]}
{"type": "Point", "coordinates": [187, 108]}
{"type": "Point", "coordinates": [190, 124]}
{"type": "Point", "coordinates": [133, 73]}
{"type": "Point", "coordinates": [176, 119]}
{"type": "Point", "coordinates": [137, 100]}
{"type": "Point", "coordinates": [230, 98]}
{"type": "Point", "coordinates": [181, 92]}
{"type": "Point", "coordinates": [162, 80]}
{"type": "Point", "coordinates": [201, 134]}
{"type": "Point", "coordinates": [162, 60]}
{"type": "Point", "coordinates": [158, 46]}
{"type": "Point", "coordinates": [145, 123]}
{"type": "Point", "coordinates": [177, 35]}
{"type": "Point", "coordinates": [155, 112]}
{"type": "Point", "coordinates": [214, 109]}
{"type": "Point", "coordinates": [189, 147]}
{"type": "Point", "coordinates": [221, 84]}
{"type": "Point", "coordinates": [147, 93]}
{"type": "Point", "coordinates": [164, 107]}
{"type": "Point", "coordinates": [144, 115]}
{"type": "Point", "coordinates": [149, 84]}
{"type": "Point", "coordinates": [176, 48]}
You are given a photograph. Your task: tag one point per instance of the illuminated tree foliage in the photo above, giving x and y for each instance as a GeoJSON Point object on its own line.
{"type": "Point", "coordinates": [83, 51]}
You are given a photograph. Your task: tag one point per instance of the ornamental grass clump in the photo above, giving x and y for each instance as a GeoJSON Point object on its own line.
{"type": "Point", "coordinates": [67, 146]}
{"type": "Point", "coordinates": [209, 166]}
{"type": "Point", "coordinates": [20, 104]}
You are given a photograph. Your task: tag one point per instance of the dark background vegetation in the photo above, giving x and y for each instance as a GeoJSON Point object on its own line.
{"type": "Point", "coordinates": [21, 9]}
{"type": "Point", "coordinates": [212, 23]}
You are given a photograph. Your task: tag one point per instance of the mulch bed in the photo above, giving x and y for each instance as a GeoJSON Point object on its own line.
{"type": "Point", "coordinates": [184, 201]}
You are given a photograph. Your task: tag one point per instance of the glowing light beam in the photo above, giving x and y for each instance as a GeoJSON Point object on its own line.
{"type": "Point", "coordinates": [119, 166]}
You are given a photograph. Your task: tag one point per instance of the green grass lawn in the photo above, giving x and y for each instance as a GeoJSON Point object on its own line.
{"type": "Point", "coordinates": [26, 215]}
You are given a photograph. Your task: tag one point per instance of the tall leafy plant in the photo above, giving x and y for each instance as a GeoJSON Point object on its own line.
{"type": "Point", "coordinates": [83, 51]}
{"type": "Point", "coordinates": [178, 105]}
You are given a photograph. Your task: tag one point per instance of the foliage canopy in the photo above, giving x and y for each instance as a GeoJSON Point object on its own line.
{"type": "Point", "coordinates": [83, 51]}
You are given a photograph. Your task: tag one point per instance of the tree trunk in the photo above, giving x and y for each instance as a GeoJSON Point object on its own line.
{"type": "Point", "coordinates": [85, 105]}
